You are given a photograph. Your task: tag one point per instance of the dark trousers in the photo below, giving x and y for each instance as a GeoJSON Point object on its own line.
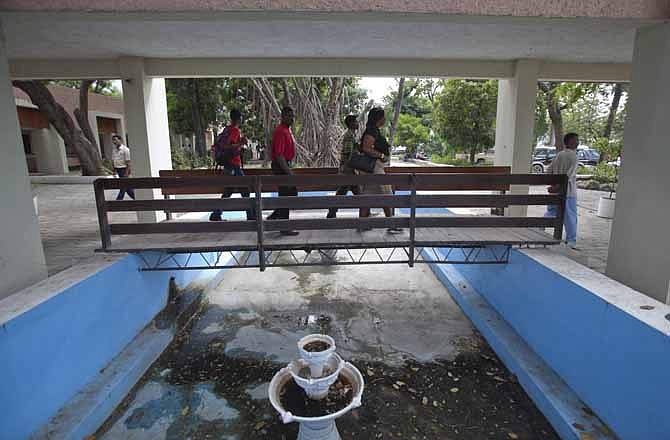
{"type": "Point", "coordinates": [284, 191]}
{"type": "Point", "coordinates": [342, 191]}
{"type": "Point", "coordinates": [234, 170]}
{"type": "Point", "coordinates": [121, 172]}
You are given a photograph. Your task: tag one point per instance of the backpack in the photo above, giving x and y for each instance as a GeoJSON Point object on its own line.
{"type": "Point", "coordinates": [223, 156]}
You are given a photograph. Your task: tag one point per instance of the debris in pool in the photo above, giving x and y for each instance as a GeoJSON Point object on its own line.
{"type": "Point", "coordinates": [294, 399]}
{"type": "Point", "coordinates": [316, 346]}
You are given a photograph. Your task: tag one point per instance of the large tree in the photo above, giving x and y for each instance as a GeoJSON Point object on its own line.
{"type": "Point", "coordinates": [465, 115]}
{"type": "Point", "coordinates": [78, 135]}
{"type": "Point", "coordinates": [560, 97]}
{"type": "Point", "coordinates": [397, 107]}
{"type": "Point", "coordinates": [194, 105]}
{"type": "Point", "coordinates": [411, 133]}
{"type": "Point", "coordinates": [617, 92]}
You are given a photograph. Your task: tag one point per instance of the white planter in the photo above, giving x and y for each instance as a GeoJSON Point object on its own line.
{"type": "Point", "coordinates": [606, 207]}
{"type": "Point", "coordinates": [317, 388]}
{"type": "Point", "coordinates": [316, 428]}
{"type": "Point", "coordinates": [316, 359]}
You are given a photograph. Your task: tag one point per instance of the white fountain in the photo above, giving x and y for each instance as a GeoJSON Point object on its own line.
{"type": "Point", "coordinates": [325, 367]}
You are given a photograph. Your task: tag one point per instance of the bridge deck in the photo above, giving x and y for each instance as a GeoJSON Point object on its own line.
{"type": "Point", "coordinates": [330, 239]}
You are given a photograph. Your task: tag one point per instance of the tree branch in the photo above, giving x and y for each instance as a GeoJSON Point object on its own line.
{"type": "Point", "coordinates": [81, 113]}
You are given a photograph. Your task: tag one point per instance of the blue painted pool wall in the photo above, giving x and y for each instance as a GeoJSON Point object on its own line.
{"type": "Point", "coordinates": [52, 350]}
{"type": "Point", "coordinates": [616, 363]}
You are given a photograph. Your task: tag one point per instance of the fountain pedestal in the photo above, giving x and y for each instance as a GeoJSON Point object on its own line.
{"type": "Point", "coordinates": [325, 430]}
{"type": "Point", "coordinates": [322, 427]}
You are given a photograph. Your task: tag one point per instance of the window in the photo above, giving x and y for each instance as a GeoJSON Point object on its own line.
{"type": "Point", "coordinates": [27, 147]}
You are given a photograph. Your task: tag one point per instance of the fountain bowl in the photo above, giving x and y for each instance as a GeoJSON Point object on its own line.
{"type": "Point", "coordinates": [323, 427]}
{"type": "Point", "coordinates": [317, 387]}
{"type": "Point", "coordinates": [316, 359]}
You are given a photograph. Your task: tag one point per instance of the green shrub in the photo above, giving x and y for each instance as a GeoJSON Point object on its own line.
{"type": "Point", "coordinates": [603, 173]}
{"type": "Point", "coordinates": [108, 166]}
{"type": "Point", "coordinates": [183, 159]}
{"type": "Point", "coordinates": [450, 160]}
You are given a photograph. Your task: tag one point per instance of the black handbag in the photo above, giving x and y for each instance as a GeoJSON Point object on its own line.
{"type": "Point", "coordinates": [362, 162]}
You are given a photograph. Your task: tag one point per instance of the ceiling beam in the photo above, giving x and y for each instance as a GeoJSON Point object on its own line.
{"type": "Point", "coordinates": [391, 67]}
{"type": "Point", "coordinates": [586, 72]}
{"type": "Point", "coordinates": [244, 67]}
{"type": "Point", "coordinates": [64, 69]}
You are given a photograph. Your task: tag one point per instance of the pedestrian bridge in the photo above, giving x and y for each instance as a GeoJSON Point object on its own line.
{"type": "Point", "coordinates": [423, 200]}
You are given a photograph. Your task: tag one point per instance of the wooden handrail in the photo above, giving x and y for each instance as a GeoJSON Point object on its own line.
{"type": "Point", "coordinates": [258, 183]}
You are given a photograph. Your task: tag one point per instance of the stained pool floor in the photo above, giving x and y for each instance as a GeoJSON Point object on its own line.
{"type": "Point", "coordinates": [428, 374]}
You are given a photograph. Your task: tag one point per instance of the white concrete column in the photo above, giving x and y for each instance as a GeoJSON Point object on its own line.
{"type": "Point", "coordinates": [145, 105]}
{"type": "Point", "coordinates": [639, 253]}
{"type": "Point", "coordinates": [49, 150]}
{"type": "Point", "coordinates": [515, 120]}
{"type": "Point", "coordinates": [22, 260]}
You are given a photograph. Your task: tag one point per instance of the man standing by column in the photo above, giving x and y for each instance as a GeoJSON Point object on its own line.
{"type": "Point", "coordinates": [566, 162]}
{"type": "Point", "coordinates": [121, 162]}
{"type": "Point", "coordinates": [348, 144]}
{"type": "Point", "coordinates": [283, 152]}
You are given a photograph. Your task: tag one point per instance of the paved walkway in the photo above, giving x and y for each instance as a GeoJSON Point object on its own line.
{"type": "Point", "coordinates": [593, 233]}
{"type": "Point", "coordinates": [69, 223]}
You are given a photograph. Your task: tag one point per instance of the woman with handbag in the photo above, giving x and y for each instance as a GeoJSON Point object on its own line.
{"type": "Point", "coordinates": [373, 156]}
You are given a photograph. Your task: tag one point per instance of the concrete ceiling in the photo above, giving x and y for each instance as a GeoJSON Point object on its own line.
{"type": "Point", "coordinates": [77, 36]}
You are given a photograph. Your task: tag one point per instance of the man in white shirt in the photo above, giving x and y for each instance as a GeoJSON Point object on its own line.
{"type": "Point", "coordinates": [566, 162]}
{"type": "Point", "coordinates": [121, 163]}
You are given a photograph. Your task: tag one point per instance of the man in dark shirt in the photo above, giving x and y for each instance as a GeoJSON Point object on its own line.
{"type": "Point", "coordinates": [283, 152]}
{"type": "Point", "coordinates": [348, 144]}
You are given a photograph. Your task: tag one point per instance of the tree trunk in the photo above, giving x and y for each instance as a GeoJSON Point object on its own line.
{"type": "Point", "coordinates": [554, 110]}
{"type": "Point", "coordinates": [85, 147]}
{"type": "Point", "coordinates": [198, 129]}
{"type": "Point", "coordinates": [473, 153]}
{"type": "Point", "coordinates": [396, 110]}
{"type": "Point", "coordinates": [614, 107]}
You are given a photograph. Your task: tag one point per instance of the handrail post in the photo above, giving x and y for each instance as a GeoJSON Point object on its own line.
{"type": "Point", "coordinates": [103, 221]}
{"type": "Point", "coordinates": [259, 221]}
{"type": "Point", "coordinates": [412, 218]}
{"type": "Point", "coordinates": [560, 215]}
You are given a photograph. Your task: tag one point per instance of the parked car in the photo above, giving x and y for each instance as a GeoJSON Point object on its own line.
{"type": "Point", "coordinates": [542, 157]}
{"type": "Point", "coordinates": [480, 158]}
{"type": "Point", "coordinates": [587, 156]}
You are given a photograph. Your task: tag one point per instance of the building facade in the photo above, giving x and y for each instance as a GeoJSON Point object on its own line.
{"type": "Point", "coordinates": [45, 151]}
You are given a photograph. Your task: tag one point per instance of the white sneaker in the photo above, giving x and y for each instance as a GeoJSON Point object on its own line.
{"type": "Point", "coordinates": [572, 245]}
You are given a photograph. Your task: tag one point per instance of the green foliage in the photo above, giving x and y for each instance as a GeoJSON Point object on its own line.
{"type": "Point", "coordinates": [608, 150]}
{"type": "Point", "coordinates": [542, 123]}
{"type": "Point", "coordinates": [465, 115]}
{"type": "Point", "coordinates": [108, 166]}
{"type": "Point", "coordinates": [603, 173]}
{"type": "Point", "coordinates": [183, 159]}
{"type": "Point", "coordinates": [450, 160]}
{"type": "Point", "coordinates": [411, 133]}
{"type": "Point", "coordinates": [181, 93]}
{"type": "Point", "coordinates": [587, 115]}
{"type": "Point", "coordinates": [100, 86]}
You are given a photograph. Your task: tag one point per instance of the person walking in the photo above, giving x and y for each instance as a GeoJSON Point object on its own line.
{"type": "Point", "coordinates": [227, 152]}
{"type": "Point", "coordinates": [348, 145]}
{"type": "Point", "coordinates": [283, 153]}
{"type": "Point", "coordinates": [375, 145]}
{"type": "Point", "coordinates": [122, 165]}
{"type": "Point", "coordinates": [566, 162]}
